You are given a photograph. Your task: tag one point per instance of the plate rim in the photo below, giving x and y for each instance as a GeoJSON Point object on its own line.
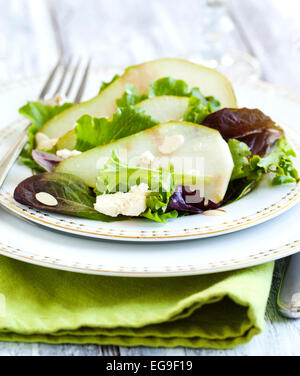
{"type": "Point", "coordinates": [261, 257]}
{"type": "Point", "coordinates": [272, 211]}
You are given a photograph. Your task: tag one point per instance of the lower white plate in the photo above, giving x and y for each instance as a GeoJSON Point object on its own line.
{"type": "Point", "coordinates": [274, 239]}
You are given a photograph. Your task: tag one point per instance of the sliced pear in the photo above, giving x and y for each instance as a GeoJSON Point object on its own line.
{"type": "Point", "coordinates": [162, 109]}
{"type": "Point", "coordinates": [209, 81]}
{"type": "Point", "coordinates": [192, 149]}
{"type": "Point", "coordinates": [165, 108]}
{"type": "Point", "coordinates": [68, 141]}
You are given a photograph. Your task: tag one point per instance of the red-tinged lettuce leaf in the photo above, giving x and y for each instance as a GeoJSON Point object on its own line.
{"type": "Point", "coordinates": [46, 161]}
{"type": "Point", "coordinates": [73, 196]}
{"type": "Point", "coordinates": [178, 203]}
{"type": "Point", "coordinates": [185, 201]}
{"type": "Point", "coordinates": [238, 189]}
{"type": "Point", "coordinates": [250, 126]}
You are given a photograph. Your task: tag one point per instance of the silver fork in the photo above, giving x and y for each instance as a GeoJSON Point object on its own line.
{"type": "Point", "coordinates": [59, 72]}
{"type": "Point", "coordinates": [288, 299]}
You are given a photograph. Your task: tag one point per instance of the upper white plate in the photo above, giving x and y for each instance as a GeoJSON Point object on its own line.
{"type": "Point", "coordinates": [264, 203]}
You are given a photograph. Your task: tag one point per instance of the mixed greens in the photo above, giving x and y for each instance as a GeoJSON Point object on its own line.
{"type": "Point", "coordinates": [250, 142]}
{"type": "Point", "coordinates": [38, 114]}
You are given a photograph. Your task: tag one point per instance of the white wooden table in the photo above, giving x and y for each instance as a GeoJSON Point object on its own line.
{"type": "Point", "coordinates": [33, 33]}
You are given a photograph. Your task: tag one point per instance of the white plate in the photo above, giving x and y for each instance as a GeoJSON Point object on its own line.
{"type": "Point", "coordinates": [264, 203]}
{"type": "Point", "coordinates": [274, 239]}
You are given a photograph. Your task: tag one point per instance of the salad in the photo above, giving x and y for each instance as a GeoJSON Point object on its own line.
{"type": "Point", "coordinates": [165, 139]}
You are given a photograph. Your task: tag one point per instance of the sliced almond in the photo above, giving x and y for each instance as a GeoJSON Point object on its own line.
{"type": "Point", "coordinates": [46, 199]}
{"type": "Point", "coordinates": [214, 213]}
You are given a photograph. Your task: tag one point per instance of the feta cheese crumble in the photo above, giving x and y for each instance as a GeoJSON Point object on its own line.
{"type": "Point", "coordinates": [132, 203]}
{"type": "Point", "coordinates": [66, 153]}
{"type": "Point", "coordinates": [44, 142]}
{"type": "Point", "coordinates": [171, 144]}
{"type": "Point", "coordinates": [145, 160]}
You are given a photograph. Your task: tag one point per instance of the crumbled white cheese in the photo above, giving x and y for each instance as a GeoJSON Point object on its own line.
{"type": "Point", "coordinates": [44, 142]}
{"type": "Point", "coordinates": [46, 199]}
{"type": "Point", "coordinates": [132, 203]}
{"type": "Point", "coordinates": [145, 160]}
{"type": "Point", "coordinates": [171, 144]}
{"type": "Point", "coordinates": [66, 153]}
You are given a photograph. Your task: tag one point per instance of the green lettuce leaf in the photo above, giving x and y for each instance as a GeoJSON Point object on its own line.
{"type": "Point", "coordinates": [130, 97]}
{"type": "Point", "coordinates": [157, 204]}
{"type": "Point", "coordinates": [196, 111]}
{"type": "Point", "coordinates": [279, 163]}
{"type": "Point", "coordinates": [240, 154]}
{"type": "Point", "coordinates": [38, 114]}
{"type": "Point", "coordinates": [200, 106]}
{"type": "Point", "coordinates": [160, 217]}
{"type": "Point", "coordinates": [117, 176]}
{"type": "Point", "coordinates": [168, 86]}
{"type": "Point", "coordinates": [27, 160]}
{"type": "Point", "coordinates": [92, 132]}
{"type": "Point", "coordinates": [254, 167]}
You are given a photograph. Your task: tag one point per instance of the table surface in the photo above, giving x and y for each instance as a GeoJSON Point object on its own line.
{"type": "Point", "coordinates": [33, 34]}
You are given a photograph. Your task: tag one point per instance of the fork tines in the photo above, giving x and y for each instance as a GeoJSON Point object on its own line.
{"type": "Point", "coordinates": [67, 74]}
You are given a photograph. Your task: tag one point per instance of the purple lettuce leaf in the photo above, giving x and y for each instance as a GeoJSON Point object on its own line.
{"type": "Point", "coordinates": [186, 201]}
{"type": "Point", "coordinates": [45, 160]}
{"type": "Point", "coordinates": [250, 126]}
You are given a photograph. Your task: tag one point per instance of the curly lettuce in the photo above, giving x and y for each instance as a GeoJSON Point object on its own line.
{"type": "Point", "coordinates": [171, 86]}
{"type": "Point", "coordinates": [92, 132]}
{"type": "Point", "coordinates": [117, 176]}
{"type": "Point", "coordinates": [249, 169]}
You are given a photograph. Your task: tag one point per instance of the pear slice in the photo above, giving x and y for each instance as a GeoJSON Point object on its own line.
{"type": "Point", "coordinates": [67, 141]}
{"type": "Point", "coordinates": [209, 81]}
{"type": "Point", "coordinates": [192, 149]}
{"type": "Point", "coordinates": [161, 109]}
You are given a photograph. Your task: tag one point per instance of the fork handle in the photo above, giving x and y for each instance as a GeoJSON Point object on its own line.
{"type": "Point", "coordinates": [288, 300]}
{"type": "Point", "coordinates": [13, 153]}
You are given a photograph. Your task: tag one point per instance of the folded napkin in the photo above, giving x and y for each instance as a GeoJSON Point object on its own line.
{"type": "Point", "coordinates": [217, 311]}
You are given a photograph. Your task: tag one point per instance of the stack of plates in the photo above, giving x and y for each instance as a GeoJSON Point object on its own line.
{"type": "Point", "coordinates": [259, 228]}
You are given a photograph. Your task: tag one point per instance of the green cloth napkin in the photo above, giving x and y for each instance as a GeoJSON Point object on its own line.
{"type": "Point", "coordinates": [217, 311]}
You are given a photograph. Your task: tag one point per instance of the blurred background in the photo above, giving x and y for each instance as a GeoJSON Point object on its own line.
{"type": "Point", "coordinates": [257, 39]}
